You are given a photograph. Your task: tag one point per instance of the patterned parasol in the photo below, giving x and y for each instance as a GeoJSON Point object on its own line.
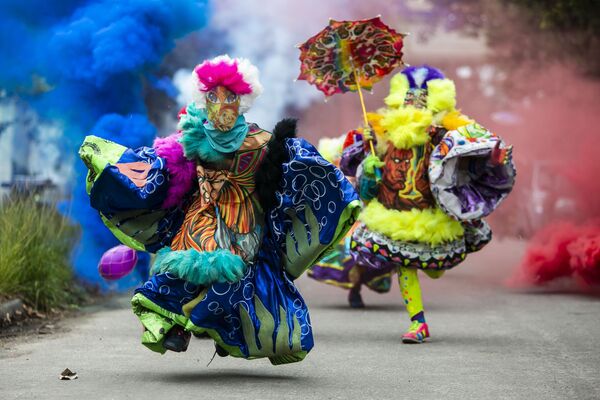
{"type": "Point", "coordinates": [350, 55]}
{"type": "Point", "coordinates": [335, 57]}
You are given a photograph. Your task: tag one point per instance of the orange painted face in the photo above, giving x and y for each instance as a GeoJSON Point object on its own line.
{"type": "Point", "coordinates": [398, 163]}
{"type": "Point", "coordinates": [404, 182]}
{"type": "Point", "coordinates": [222, 108]}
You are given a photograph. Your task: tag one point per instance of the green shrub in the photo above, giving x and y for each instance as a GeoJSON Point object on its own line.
{"type": "Point", "coordinates": [35, 247]}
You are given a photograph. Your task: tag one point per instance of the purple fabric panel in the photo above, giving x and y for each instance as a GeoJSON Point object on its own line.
{"type": "Point", "coordinates": [489, 185]}
{"type": "Point", "coordinates": [324, 273]}
{"type": "Point", "coordinates": [352, 156]}
{"type": "Point", "coordinates": [376, 264]}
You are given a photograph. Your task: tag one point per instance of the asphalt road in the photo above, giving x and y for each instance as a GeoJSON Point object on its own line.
{"type": "Point", "coordinates": [488, 342]}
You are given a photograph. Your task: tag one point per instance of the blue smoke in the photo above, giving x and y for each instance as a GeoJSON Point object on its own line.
{"type": "Point", "coordinates": [84, 64]}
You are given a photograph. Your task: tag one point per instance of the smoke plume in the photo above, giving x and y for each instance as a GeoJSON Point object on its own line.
{"type": "Point", "coordinates": [82, 65]}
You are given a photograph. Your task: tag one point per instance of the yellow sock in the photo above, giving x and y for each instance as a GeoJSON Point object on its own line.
{"type": "Point", "coordinates": [411, 290]}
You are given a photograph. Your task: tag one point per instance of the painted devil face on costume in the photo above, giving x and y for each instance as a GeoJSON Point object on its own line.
{"type": "Point", "coordinates": [405, 184]}
{"type": "Point", "coordinates": [397, 164]}
{"type": "Point", "coordinates": [222, 108]}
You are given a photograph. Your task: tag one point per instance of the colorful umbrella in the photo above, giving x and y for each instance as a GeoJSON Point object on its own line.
{"type": "Point", "coordinates": [350, 55]}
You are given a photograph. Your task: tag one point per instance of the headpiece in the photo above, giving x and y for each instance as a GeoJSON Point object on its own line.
{"type": "Point", "coordinates": [236, 74]}
{"type": "Point", "coordinates": [422, 87]}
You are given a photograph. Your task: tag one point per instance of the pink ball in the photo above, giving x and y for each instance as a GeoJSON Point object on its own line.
{"type": "Point", "coordinates": [117, 262]}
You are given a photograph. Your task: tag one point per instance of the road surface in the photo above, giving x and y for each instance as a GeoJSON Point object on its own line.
{"type": "Point", "coordinates": [488, 342]}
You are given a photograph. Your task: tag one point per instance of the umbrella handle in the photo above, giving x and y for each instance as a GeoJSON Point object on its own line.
{"type": "Point", "coordinates": [362, 103]}
{"type": "Point", "coordinates": [371, 146]}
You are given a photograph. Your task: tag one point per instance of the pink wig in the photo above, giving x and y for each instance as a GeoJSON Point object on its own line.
{"type": "Point", "coordinates": [221, 73]}
{"type": "Point", "coordinates": [236, 74]}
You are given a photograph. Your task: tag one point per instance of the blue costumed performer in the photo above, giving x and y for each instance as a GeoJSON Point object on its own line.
{"type": "Point", "coordinates": [234, 213]}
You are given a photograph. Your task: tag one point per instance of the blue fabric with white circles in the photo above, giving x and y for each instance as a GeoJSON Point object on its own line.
{"type": "Point", "coordinates": [308, 181]}
{"type": "Point", "coordinates": [114, 192]}
{"type": "Point", "coordinates": [169, 292]}
{"type": "Point", "coordinates": [118, 199]}
{"type": "Point", "coordinates": [220, 307]}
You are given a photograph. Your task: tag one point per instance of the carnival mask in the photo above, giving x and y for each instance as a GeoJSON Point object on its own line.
{"type": "Point", "coordinates": [222, 108]}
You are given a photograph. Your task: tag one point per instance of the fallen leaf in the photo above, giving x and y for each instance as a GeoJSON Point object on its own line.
{"type": "Point", "coordinates": [67, 375]}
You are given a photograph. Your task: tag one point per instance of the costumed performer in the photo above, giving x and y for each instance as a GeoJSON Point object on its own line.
{"type": "Point", "coordinates": [435, 175]}
{"type": "Point", "coordinates": [234, 213]}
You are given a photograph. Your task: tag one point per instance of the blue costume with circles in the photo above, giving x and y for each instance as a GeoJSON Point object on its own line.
{"type": "Point", "coordinates": [262, 314]}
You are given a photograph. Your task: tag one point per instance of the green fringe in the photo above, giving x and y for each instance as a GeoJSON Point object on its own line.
{"type": "Point", "coordinates": [200, 268]}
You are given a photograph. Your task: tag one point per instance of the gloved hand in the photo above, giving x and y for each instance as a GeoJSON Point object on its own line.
{"type": "Point", "coordinates": [367, 133]}
{"type": "Point", "coordinates": [371, 164]}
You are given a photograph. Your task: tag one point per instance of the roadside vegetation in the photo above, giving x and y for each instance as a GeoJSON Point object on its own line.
{"type": "Point", "coordinates": [36, 242]}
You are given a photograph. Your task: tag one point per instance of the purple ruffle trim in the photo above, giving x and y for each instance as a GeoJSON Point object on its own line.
{"type": "Point", "coordinates": [182, 172]}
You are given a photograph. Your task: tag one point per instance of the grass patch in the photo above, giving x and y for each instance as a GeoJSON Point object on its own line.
{"type": "Point", "coordinates": [36, 242]}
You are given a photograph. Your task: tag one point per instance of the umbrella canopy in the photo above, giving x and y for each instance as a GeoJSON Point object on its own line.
{"type": "Point", "coordinates": [346, 51]}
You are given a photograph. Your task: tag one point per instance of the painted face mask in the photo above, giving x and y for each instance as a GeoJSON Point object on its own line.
{"type": "Point", "coordinates": [222, 108]}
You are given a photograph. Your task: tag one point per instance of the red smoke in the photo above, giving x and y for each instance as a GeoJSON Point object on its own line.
{"type": "Point", "coordinates": [559, 191]}
{"type": "Point", "coordinates": [559, 250]}
{"type": "Point", "coordinates": [585, 256]}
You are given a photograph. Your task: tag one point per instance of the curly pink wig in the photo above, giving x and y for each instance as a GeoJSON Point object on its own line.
{"type": "Point", "coordinates": [237, 75]}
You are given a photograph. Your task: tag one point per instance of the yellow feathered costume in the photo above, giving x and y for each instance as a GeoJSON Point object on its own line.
{"type": "Point", "coordinates": [409, 222]}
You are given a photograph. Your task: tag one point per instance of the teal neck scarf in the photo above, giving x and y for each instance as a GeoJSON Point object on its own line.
{"type": "Point", "coordinates": [225, 142]}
